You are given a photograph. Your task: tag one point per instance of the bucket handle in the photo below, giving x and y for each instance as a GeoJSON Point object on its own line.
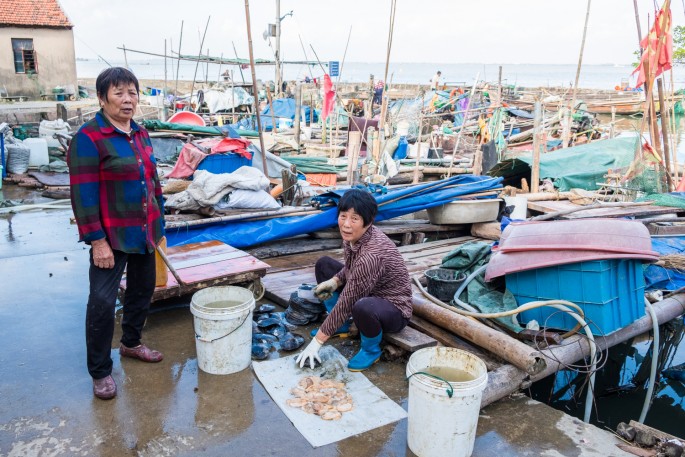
{"type": "Point", "coordinates": [204, 340]}
{"type": "Point", "coordinates": [449, 390]}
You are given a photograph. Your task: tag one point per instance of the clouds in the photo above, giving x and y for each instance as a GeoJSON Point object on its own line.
{"type": "Point", "coordinates": [440, 31]}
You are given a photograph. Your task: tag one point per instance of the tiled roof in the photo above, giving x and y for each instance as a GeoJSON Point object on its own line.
{"type": "Point", "coordinates": [33, 13]}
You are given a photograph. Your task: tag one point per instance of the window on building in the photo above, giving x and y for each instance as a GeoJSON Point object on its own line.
{"type": "Point", "coordinates": [24, 56]}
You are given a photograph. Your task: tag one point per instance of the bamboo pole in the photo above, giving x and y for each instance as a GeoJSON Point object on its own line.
{"type": "Point", "coordinates": [197, 64]}
{"type": "Point", "coordinates": [241, 217]}
{"type": "Point", "coordinates": [463, 125]}
{"type": "Point", "coordinates": [164, 108]}
{"type": "Point", "coordinates": [240, 66]}
{"type": "Point", "coordinates": [415, 180]}
{"type": "Point", "coordinates": [254, 87]}
{"type": "Point", "coordinates": [664, 131]}
{"type": "Point", "coordinates": [567, 127]}
{"type": "Point", "coordinates": [674, 130]}
{"type": "Point", "coordinates": [537, 137]}
{"type": "Point", "coordinates": [178, 62]}
{"type": "Point", "coordinates": [520, 355]}
{"type": "Point", "coordinates": [384, 100]}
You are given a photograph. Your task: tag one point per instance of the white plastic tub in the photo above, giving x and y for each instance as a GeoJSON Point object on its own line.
{"type": "Point", "coordinates": [465, 212]}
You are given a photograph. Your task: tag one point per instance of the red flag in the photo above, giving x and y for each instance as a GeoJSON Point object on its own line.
{"type": "Point", "coordinates": [328, 97]}
{"type": "Point", "coordinates": [659, 39]}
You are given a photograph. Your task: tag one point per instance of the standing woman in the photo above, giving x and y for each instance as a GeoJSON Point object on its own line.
{"type": "Point", "coordinates": [117, 200]}
{"type": "Point", "coordinates": [374, 282]}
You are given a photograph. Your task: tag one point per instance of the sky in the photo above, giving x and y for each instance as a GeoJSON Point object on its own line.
{"type": "Point", "coordinates": [436, 31]}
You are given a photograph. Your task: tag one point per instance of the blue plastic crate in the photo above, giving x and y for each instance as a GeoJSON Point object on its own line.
{"type": "Point", "coordinates": [223, 163]}
{"type": "Point", "coordinates": [611, 293]}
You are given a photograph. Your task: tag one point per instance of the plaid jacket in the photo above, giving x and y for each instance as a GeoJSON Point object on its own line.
{"type": "Point", "coordinates": [115, 190]}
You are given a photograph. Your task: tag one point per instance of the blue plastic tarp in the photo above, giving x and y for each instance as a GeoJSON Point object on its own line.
{"type": "Point", "coordinates": [392, 204]}
{"type": "Point", "coordinates": [283, 108]}
{"type": "Point", "coordinates": [657, 277]}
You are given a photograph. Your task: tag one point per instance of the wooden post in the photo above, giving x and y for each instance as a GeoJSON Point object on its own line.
{"type": "Point", "coordinates": [271, 108]}
{"type": "Point", "coordinates": [613, 121]}
{"type": "Point", "coordinates": [62, 112]}
{"type": "Point", "coordinates": [298, 113]}
{"type": "Point", "coordinates": [535, 171]}
{"type": "Point", "coordinates": [79, 114]}
{"type": "Point", "coordinates": [254, 88]}
{"type": "Point", "coordinates": [354, 142]}
{"type": "Point", "coordinates": [664, 131]}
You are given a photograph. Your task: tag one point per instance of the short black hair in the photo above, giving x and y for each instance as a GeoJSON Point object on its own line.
{"type": "Point", "coordinates": [112, 77]}
{"type": "Point", "coordinates": [362, 202]}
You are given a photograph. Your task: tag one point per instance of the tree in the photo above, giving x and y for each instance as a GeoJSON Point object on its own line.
{"type": "Point", "coordinates": [679, 44]}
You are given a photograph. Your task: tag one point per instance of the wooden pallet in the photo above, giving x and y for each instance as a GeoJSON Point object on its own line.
{"type": "Point", "coordinates": [206, 264]}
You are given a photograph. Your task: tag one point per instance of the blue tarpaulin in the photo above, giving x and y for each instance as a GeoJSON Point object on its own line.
{"type": "Point", "coordinates": [283, 108]}
{"type": "Point", "coordinates": [391, 204]}
{"type": "Point", "coordinates": [657, 277]}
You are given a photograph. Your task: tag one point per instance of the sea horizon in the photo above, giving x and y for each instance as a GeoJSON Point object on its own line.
{"type": "Point", "coordinates": [592, 76]}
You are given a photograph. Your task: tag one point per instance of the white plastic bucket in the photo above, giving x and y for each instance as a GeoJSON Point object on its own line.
{"type": "Point", "coordinates": [440, 425]}
{"type": "Point", "coordinates": [223, 328]}
{"type": "Point", "coordinates": [39, 151]}
{"type": "Point", "coordinates": [520, 206]}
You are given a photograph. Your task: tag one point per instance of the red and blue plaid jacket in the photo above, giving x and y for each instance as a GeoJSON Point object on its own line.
{"type": "Point", "coordinates": [115, 190]}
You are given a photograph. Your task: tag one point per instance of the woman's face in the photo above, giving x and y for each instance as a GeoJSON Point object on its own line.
{"type": "Point", "coordinates": [351, 225]}
{"type": "Point", "coordinates": [121, 102]}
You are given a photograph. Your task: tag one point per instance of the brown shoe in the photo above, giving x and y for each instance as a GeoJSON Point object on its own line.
{"type": "Point", "coordinates": [105, 388]}
{"type": "Point", "coordinates": [141, 352]}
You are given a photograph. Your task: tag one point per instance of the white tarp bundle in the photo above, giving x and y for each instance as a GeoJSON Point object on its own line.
{"type": "Point", "coordinates": [207, 189]}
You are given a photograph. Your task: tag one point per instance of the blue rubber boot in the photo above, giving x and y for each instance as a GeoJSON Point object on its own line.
{"type": "Point", "coordinates": [344, 330]}
{"type": "Point", "coordinates": [369, 354]}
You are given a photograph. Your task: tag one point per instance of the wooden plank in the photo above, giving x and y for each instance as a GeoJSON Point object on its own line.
{"type": "Point", "coordinates": [234, 266]}
{"type": "Point", "coordinates": [410, 339]}
{"type": "Point", "coordinates": [551, 206]}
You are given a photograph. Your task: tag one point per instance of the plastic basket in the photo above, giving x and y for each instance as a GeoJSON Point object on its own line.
{"type": "Point", "coordinates": [611, 293]}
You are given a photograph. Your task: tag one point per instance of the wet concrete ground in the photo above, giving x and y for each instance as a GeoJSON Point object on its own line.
{"type": "Point", "coordinates": [173, 408]}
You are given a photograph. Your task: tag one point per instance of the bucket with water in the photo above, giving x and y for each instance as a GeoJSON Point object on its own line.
{"type": "Point", "coordinates": [222, 317]}
{"type": "Point", "coordinates": [445, 390]}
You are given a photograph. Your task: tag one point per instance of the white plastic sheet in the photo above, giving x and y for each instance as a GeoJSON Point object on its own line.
{"type": "Point", "coordinates": [372, 408]}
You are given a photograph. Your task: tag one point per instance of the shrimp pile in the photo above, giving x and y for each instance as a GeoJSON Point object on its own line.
{"type": "Point", "coordinates": [326, 398]}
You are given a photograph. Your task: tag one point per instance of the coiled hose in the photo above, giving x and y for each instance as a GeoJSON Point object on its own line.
{"type": "Point", "coordinates": [572, 309]}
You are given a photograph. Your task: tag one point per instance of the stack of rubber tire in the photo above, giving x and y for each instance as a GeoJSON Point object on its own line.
{"type": "Point", "coordinates": [303, 312]}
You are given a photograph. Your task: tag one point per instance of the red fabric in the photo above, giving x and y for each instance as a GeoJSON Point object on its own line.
{"type": "Point", "coordinates": [681, 186]}
{"type": "Point", "coordinates": [328, 97]}
{"type": "Point", "coordinates": [660, 31]}
{"type": "Point", "coordinates": [191, 156]}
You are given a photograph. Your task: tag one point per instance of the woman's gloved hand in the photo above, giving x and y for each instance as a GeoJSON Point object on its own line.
{"type": "Point", "coordinates": [311, 353]}
{"type": "Point", "coordinates": [324, 290]}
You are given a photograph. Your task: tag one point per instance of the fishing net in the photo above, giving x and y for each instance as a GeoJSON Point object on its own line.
{"type": "Point", "coordinates": [674, 199]}
{"type": "Point", "coordinates": [647, 179]}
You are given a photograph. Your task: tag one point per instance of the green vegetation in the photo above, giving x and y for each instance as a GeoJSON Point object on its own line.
{"type": "Point", "coordinates": [679, 44]}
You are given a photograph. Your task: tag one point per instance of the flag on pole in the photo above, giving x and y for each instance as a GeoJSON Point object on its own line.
{"type": "Point", "coordinates": [328, 97]}
{"type": "Point", "coordinates": [659, 41]}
